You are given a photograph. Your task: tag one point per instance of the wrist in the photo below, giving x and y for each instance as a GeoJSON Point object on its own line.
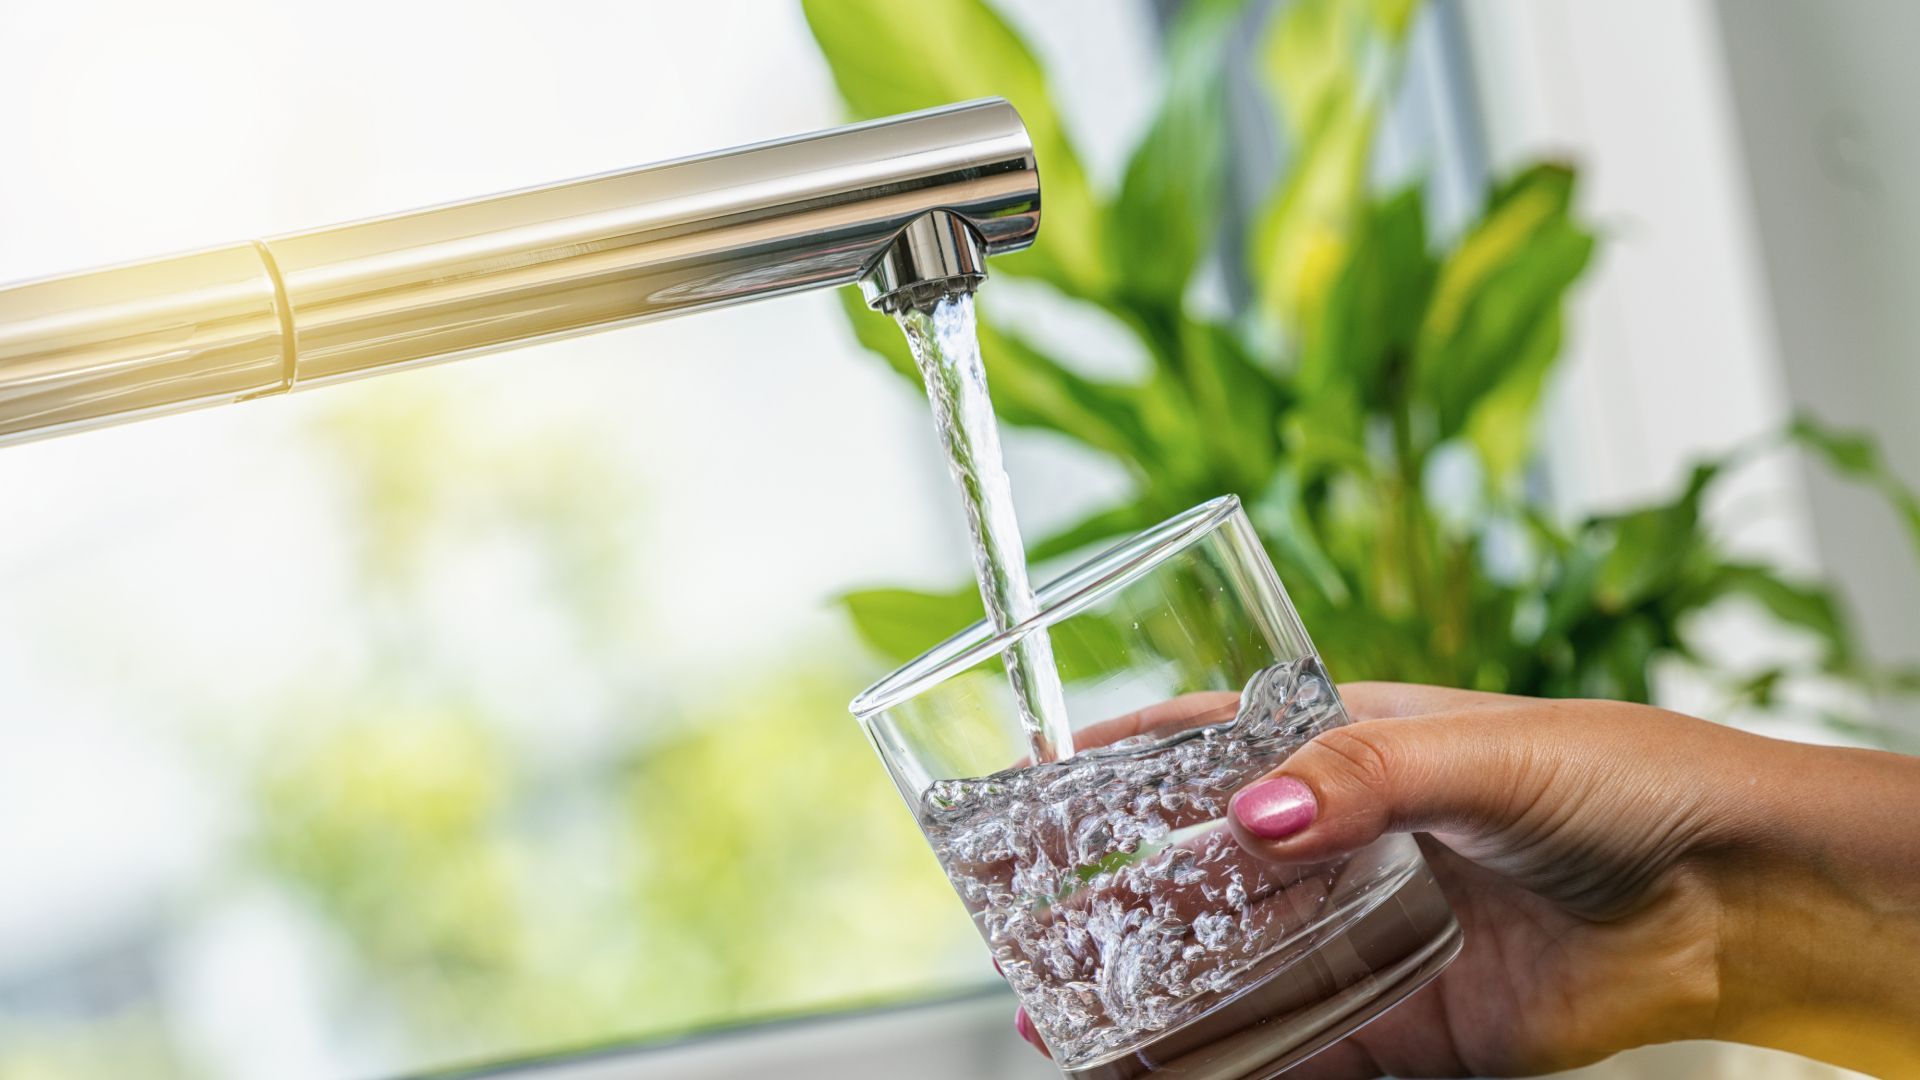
{"type": "Point", "coordinates": [1817, 875]}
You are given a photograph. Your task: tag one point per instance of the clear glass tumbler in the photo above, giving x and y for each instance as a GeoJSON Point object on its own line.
{"type": "Point", "coordinates": [1141, 938]}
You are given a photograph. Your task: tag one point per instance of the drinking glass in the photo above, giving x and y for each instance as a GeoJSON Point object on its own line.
{"type": "Point", "coordinates": [1141, 938]}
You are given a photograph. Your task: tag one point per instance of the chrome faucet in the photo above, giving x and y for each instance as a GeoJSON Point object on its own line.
{"type": "Point", "coordinates": [909, 207]}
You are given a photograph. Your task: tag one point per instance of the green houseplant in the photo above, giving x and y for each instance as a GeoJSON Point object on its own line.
{"type": "Point", "coordinates": [1367, 363]}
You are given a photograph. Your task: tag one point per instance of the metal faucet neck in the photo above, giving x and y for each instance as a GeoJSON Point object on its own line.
{"type": "Point", "coordinates": [909, 206]}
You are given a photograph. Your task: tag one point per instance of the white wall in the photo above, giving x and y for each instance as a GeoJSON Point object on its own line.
{"type": "Point", "coordinates": [1671, 354]}
{"type": "Point", "coordinates": [1823, 98]}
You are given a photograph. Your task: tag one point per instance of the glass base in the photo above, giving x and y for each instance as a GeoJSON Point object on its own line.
{"type": "Point", "coordinates": [1358, 972]}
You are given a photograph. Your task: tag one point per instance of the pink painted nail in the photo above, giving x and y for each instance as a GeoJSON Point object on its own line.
{"type": "Point", "coordinates": [1275, 809]}
{"type": "Point", "coordinates": [1023, 1024]}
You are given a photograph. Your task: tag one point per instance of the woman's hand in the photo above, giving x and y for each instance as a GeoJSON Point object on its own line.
{"type": "Point", "coordinates": [1624, 875]}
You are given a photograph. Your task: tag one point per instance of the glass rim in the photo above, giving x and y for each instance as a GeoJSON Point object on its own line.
{"type": "Point", "coordinates": [1067, 595]}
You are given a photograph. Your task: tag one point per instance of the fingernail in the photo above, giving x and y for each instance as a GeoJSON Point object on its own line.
{"type": "Point", "coordinates": [1025, 1026]}
{"type": "Point", "coordinates": [1275, 809]}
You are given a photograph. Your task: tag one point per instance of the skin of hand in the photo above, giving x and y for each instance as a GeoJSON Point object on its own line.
{"type": "Point", "coordinates": [1624, 875]}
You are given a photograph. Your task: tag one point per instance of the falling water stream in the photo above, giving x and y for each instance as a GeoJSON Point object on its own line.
{"type": "Point", "coordinates": [947, 347]}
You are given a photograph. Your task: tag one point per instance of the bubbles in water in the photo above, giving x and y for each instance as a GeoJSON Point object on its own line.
{"type": "Point", "coordinates": [1114, 898]}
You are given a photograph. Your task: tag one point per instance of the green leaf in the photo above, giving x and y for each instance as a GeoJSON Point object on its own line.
{"type": "Point", "coordinates": [1300, 242]}
{"type": "Point", "coordinates": [1315, 52]}
{"type": "Point", "coordinates": [1234, 402]}
{"type": "Point", "coordinates": [1321, 63]}
{"type": "Point", "coordinates": [1896, 679]}
{"type": "Point", "coordinates": [1492, 330]}
{"type": "Point", "coordinates": [1570, 594]}
{"type": "Point", "coordinates": [1028, 387]}
{"type": "Point", "coordinates": [1500, 426]}
{"type": "Point", "coordinates": [890, 57]}
{"type": "Point", "coordinates": [1857, 456]}
{"type": "Point", "coordinates": [1394, 16]}
{"type": "Point", "coordinates": [1622, 671]}
{"type": "Point", "coordinates": [1326, 432]}
{"type": "Point", "coordinates": [1032, 389]}
{"type": "Point", "coordinates": [879, 335]}
{"type": "Point", "coordinates": [1762, 688]}
{"type": "Point", "coordinates": [1170, 201]}
{"type": "Point", "coordinates": [1087, 647]}
{"type": "Point", "coordinates": [1112, 523]}
{"type": "Point", "coordinates": [900, 624]}
{"type": "Point", "coordinates": [1281, 516]}
{"type": "Point", "coordinates": [1807, 606]}
{"type": "Point", "coordinates": [1650, 548]}
{"type": "Point", "coordinates": [1372, 313]}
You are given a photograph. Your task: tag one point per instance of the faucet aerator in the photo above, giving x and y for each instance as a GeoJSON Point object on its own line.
{"type": "Point", "coordinates": [936, 256]}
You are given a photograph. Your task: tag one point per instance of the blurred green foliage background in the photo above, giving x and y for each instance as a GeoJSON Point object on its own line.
{"type": "Point", "coordinates": [484, 893]}
{"type": "Point", "coordinates": [739, 857]}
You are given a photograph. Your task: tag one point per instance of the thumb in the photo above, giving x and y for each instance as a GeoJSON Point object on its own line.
{"type": "Point", "coordinates": [1348, 786]}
